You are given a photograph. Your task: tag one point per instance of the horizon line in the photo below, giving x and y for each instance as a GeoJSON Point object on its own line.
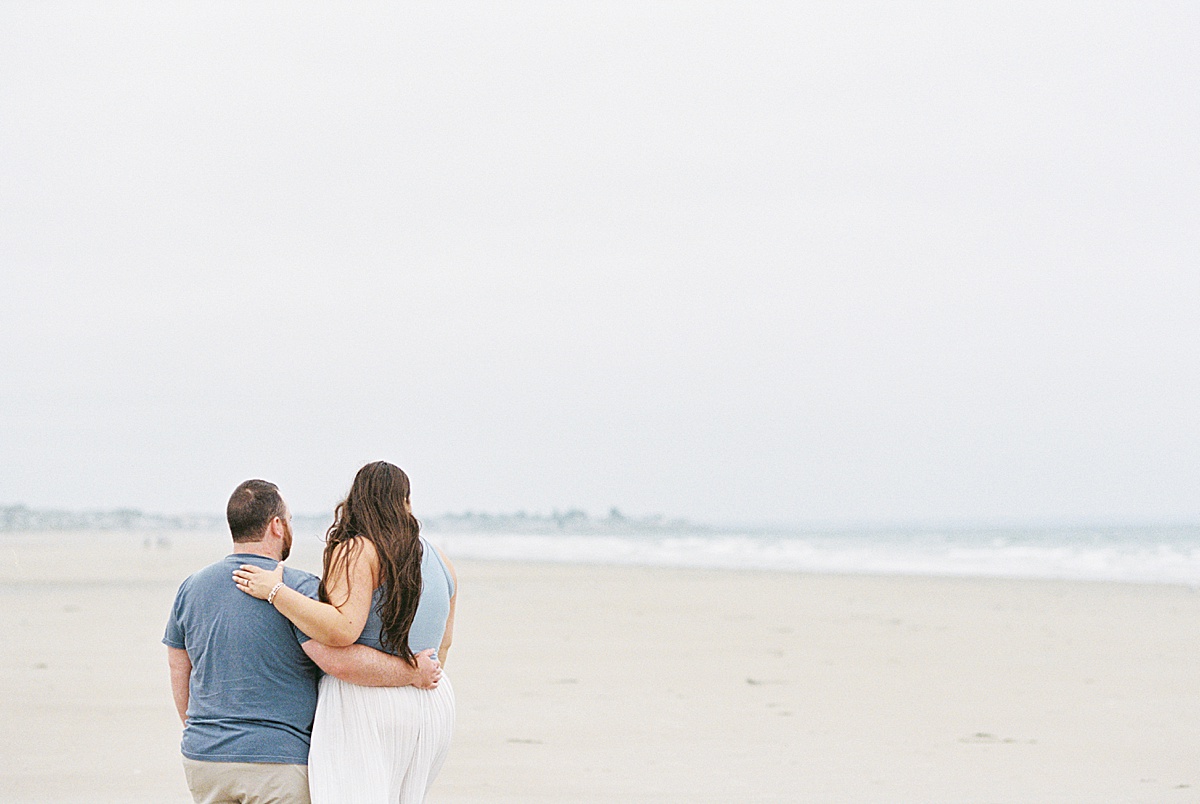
{"type": "Point", "coordinates": [849, 523]}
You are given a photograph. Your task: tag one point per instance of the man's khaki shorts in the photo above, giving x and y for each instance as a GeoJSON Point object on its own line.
{"type": "Point", "coordinates": [246, 782]}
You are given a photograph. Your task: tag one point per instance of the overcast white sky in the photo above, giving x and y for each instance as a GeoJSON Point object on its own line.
{"type": "Point", "coordinates": [802, 262]}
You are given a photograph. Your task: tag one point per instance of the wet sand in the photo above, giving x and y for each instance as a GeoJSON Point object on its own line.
{"type": "Point", "coordinates": [590, 684]}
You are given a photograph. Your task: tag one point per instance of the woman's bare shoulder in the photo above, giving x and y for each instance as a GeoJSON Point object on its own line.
{"type": "Point", "coordinates": [355, 549]}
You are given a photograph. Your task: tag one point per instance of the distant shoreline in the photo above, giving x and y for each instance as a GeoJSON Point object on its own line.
{"type": "Point", "coordinates": [1165, 554]}
{"type": "Point", "coordinates": [22, 518]}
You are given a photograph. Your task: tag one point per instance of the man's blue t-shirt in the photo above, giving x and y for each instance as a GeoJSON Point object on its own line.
{"type": "Point", "coordinates": [253, 690]}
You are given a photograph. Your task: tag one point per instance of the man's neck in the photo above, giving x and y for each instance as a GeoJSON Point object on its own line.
{"type": "Point", "coordinates": [258, 549]}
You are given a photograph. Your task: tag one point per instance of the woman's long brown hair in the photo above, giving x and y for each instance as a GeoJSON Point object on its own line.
{"type": "Point", "coordinates": [377, 509]}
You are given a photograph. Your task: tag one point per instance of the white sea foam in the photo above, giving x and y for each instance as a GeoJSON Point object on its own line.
{"type": "Point", "coordinates": [1141, 555]}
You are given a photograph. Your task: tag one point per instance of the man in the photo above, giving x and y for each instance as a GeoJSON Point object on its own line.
{"type": "Point", "coordinates": [244, 679]}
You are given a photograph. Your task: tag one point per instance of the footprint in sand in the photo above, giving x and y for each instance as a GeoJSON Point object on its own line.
{"type": "Point", "coordinates": [983, 738]}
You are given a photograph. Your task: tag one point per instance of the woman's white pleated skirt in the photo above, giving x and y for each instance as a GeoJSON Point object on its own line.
{"type": "Point", "coordinates": [378, 745]}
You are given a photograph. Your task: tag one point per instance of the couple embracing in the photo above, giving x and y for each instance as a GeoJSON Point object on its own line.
{"type": "Point", "coordinates": [298, 689]}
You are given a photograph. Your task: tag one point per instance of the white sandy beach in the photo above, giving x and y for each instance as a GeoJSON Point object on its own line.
{"type": "Point", "coordinates": [591, 683]}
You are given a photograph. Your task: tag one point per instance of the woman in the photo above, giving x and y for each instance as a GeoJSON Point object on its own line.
{"type": "Point", "coordinates": [384, 586]}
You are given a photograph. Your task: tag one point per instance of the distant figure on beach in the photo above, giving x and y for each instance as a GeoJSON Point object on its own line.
{"type": "Point", "coordinates": [386, 587]}
{"type": "Point", "coordinates": [245, 680]}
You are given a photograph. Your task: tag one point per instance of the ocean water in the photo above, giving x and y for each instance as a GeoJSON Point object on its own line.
{"type": "Point", "coordinates": [1156, 555]}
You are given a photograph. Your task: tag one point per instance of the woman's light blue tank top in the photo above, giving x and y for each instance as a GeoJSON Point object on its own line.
{"type": "Point", "coordinates": [429, 624]}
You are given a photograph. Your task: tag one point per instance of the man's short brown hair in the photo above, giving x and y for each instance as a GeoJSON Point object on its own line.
{"type": "Point", "coordinates": [251, 506]}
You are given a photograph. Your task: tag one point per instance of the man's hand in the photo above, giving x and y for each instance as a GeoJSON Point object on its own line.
{"type": "Point", "coordinates": [367, 667]}
{"type": "Point", "coordinates": [429, 670]}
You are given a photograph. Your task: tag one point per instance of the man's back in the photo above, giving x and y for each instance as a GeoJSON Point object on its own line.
{"type": "Point", "coordinates": [252, 691]}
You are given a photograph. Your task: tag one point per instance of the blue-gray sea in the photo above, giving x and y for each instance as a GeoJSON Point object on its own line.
{"type": "Point", "coordinates": [1154, 554]}
{"type": "Point", "coordinates": [1144, 554]}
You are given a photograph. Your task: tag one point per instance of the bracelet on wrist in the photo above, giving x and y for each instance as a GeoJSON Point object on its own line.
{"type": "Point", "coordinates": [274, 591]}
